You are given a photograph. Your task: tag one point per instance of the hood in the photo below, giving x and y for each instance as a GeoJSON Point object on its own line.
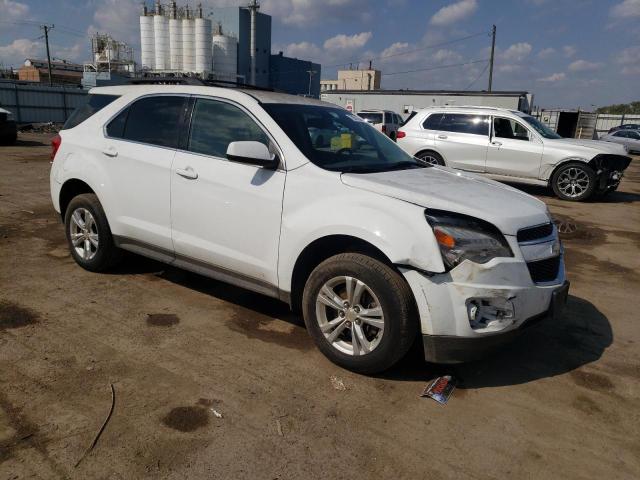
{"type": "Point", "coordinates": [595, 146]}
{"type": "Point", "coordinates": [454, 191]}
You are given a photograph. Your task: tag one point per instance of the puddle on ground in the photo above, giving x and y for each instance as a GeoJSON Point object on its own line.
{"type": "Point", "coordinates": [13, 315]}
{"type": "Point", "coordinates": [186, 419]}
{"type": "Point", "coordinates": [162, 319]}
{"type": "Point", "coordinates": [579, 232]}
{"type": "Point", "coordinates": [260, 327]}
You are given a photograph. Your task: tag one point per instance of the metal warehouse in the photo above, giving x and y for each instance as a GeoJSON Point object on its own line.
{"type": "Point", "coordinates": [405, 101]}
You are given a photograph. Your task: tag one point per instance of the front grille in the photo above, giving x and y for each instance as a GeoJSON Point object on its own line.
{"type": "Point", "coordinates": [535, 233]}
{"type": "Point", "coordinates": [544, 270]}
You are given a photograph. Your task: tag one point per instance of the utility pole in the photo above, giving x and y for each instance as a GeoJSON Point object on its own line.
{"type": "Point", "coordinates": [311, 74]}
{"type": "Point", "coordinates": [46, 29]}
{"type": "Point", "coordinates": [493, 49]}
{"type": "Point", "coordinates": [254, 6]}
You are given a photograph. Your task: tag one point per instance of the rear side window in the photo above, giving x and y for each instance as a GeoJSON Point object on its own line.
{"type": "Point", "coordinates": [214, 125]}
{"type": "Point", "coordinates": [371, 117]}
{"type": "Point", "coordinates": [432, 122]}
{"type": "Point", "coordinates": [153, 120]}
{"type": "Point", "coordinates": [94, 103]}
{"type": "Point", "coordinates": [464, 123]}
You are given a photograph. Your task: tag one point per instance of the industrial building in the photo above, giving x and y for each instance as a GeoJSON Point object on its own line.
{"type": "Point", "coordinates": [221, 43]}
{"type": "Point", "coordinates": [353, 80]}
{"type": "Point", "coordinates": [298, 77]}
{"type": "Point", "coordinates": [61, 72]}
{"type": "Point", "coordinates": [405, 101]}
{"type": "Point", "coordinates": [111, 62]}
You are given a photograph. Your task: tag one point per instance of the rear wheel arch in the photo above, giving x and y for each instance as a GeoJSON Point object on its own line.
{"type": "Point", "coordinates": [321, 249]}
{"type": "Point", "coordinates": [71, 189]}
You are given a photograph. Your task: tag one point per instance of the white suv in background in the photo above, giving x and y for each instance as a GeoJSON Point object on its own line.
{"type": "Point", "coordinates": [385, 121]}
{"type": "Point", "coordinates": [373, 246]}
{"type": "Point", "coordinates": [511, 146]}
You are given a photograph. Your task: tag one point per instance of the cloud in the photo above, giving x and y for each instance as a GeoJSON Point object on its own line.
{"type": "Point", "coordinates": [584, 66]}
{"type": "Point", "coordinates": [625, 10]}
{"type": "Point", "coordinates": [454, 13]}
{"type": "Point", "coordinates": [119, 18]}
{"type": "Point", "coordinates": [300, 13]}
{"type": "Point", "coordinates": [629, 60]}
{"type": "Point", "coordinates": [555, 77]}
{"type": "Point", "coordinates": [306, 50]}
{"type": "Point", "coordinates": [13, 10]}
{"type": "Point", "coordinates": [516, 52]}
{"type": "Point", "coordinates": [348, 42]}
{"type": "Point", "coordinates": [569, 51]}
{"type": "Point", "coordinates": [546, 53]}
{"type": "Point", "coordinates": [17, 51]}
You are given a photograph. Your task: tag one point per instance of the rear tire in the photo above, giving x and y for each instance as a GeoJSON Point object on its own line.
{"type": "Point", "coordinates": [574, 182]}
{"type": "Point", "coordinates": [373, 332]}
{"type": "Point", "coordinates": [431, 157]}
{"type": "Point", "coordinates": [88, 234]}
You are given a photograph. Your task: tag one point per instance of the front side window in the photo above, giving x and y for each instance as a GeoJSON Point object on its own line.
{"type": "Point", "coordinates": [215, 124]}
{"type": "Point", "coordinates": [336, 140]}
{"type": "Point", "coordinates": [509, 128]}
{"type": "Point", "coordinates": [465, 123]}
{"type": "Point", "coordinates": [621, 133]}
{"type": "Point", "coordinates": [540, 127]}
{"type": "Point", "coordinates": [152, 120]}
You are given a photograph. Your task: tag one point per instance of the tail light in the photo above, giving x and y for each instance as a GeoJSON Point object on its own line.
{"type": "Point", "coordinates": [55, 145]}
{"type": "Point", "coordinates": [384, 129]}
{"type": "Point", "coordinates": [400, 134]}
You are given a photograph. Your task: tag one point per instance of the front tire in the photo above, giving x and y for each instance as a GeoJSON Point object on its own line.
{"type": "Point", "coordinates": [88, 234]}
{"type": "Point", "coordinates": [360, 312]}
{"type": "Point", "coordinates": [574, 182]}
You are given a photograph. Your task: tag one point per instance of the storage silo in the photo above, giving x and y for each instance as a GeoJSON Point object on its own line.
{"type": "Point", "coordinates": [147, 41]}
{"type": "Point", "coordinates": [175, 43]}
{"type": "Point", "coordinates": [225, 57]}
{"type": "Point", "coordinates": [161, 33]}
{"type": "Point", "coordinates": [188, 45]}
{"type": "Point", "coordinates": [204, 55]}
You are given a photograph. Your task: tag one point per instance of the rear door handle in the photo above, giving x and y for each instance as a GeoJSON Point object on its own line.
{"type": "Point", "coordinates": [442, 137]}
{"type": "Point", "coordinates": [110, 151]}
{"type": "Point", "coordinates": [188, 173]}
{"type": "Point", "coordinates": [497, 144]}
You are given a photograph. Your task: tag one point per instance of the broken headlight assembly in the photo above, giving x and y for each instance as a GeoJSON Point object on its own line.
{"type": "Point", "coordinates": [461, 237]}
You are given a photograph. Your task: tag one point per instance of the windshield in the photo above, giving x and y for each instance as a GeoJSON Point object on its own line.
{"type": "Point", "coordinates": [336, 140]}
{"type": "Point", "coordinates": [540, 127]}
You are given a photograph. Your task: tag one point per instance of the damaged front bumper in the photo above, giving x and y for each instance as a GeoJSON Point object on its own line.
{"type": "Point", "coordinates": [473, 309]}
{"type": "Point", "coordinates": [609, 171]}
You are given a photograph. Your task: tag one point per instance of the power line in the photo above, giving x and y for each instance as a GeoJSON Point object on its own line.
{"type": "Point", "coordinates": [478, 77]}
{"type": "Point", "coordinates": [436, 67]}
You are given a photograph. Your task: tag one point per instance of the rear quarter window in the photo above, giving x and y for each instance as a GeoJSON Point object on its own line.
{"type": "Point", "coordinates": [94, 103]}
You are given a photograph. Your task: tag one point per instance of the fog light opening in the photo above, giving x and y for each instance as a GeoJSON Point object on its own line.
{"type": "Point", "coordinates": [490, 314]}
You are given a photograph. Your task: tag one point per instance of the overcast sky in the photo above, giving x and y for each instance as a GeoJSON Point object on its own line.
{"type": "Point", "coordinates": [569, 53]}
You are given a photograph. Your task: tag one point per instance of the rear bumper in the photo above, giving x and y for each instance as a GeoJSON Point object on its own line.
{"type": "Point", "coordinates": [456, 349]}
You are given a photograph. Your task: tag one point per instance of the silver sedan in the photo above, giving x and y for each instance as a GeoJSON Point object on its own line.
{"type": "Point", "coordinates": [629, 138]}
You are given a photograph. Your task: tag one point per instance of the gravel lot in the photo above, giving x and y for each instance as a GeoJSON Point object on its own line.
{"type": "Point", "coordinates": [561, 402]}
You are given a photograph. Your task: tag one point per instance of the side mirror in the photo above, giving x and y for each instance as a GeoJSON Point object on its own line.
{"type": "Point", "coordinates": [252, 153]}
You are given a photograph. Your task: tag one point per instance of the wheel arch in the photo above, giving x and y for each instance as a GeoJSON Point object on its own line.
{"type": "Point", "coordinates": [432, 150]}
{"type": "Point", "coordinates": [321, 249]}
{"type": "Point", "coordinates": [70, 189]}
{"type": "Point", "coordinates": [552, 169]}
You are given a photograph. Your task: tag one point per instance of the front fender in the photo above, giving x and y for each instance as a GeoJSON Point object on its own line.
{"type": "Point", "coordinates": [549, 166]}
{"type": "Point", "coordinates": [317, 204]}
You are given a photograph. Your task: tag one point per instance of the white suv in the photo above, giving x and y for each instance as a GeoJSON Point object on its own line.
{"type": "Point", "coordinates": [385, 121]}
{"type": "Point", "coordinates": [511, 146]}
{"type": "Point", "coordinates": [373, 246]}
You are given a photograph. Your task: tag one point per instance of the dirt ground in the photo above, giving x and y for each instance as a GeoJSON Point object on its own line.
{"type": "Point", "coordinates": [563, 401]}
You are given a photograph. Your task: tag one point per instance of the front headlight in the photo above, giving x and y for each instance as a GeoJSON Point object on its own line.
{"type": "Point", "coordinates": [461, 237]}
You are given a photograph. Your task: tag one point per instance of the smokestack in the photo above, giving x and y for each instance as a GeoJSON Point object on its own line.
{"type": "Point", "coordinates": [253, 8]}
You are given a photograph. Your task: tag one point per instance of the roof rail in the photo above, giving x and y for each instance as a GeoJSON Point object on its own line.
{"type": "Point", "coordinates": [195, 81]}
{"type": "Point", "coordinates": [481, 107]}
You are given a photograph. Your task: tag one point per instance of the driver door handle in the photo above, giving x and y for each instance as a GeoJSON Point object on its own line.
{"type": "Point", "coordinates": [188, 173]}
{"type": "Point", "coordinates": [442, 137]}
{"type": "Point", "coordinates": [497, 144]}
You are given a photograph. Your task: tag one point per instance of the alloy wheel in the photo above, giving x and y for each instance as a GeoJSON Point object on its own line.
{"type": "Point", "coordinates": [350, 315]}
{"type": "Point", "coordinates": [573, 182]}
{"type": "Point", "coordinates": [84, 236]}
